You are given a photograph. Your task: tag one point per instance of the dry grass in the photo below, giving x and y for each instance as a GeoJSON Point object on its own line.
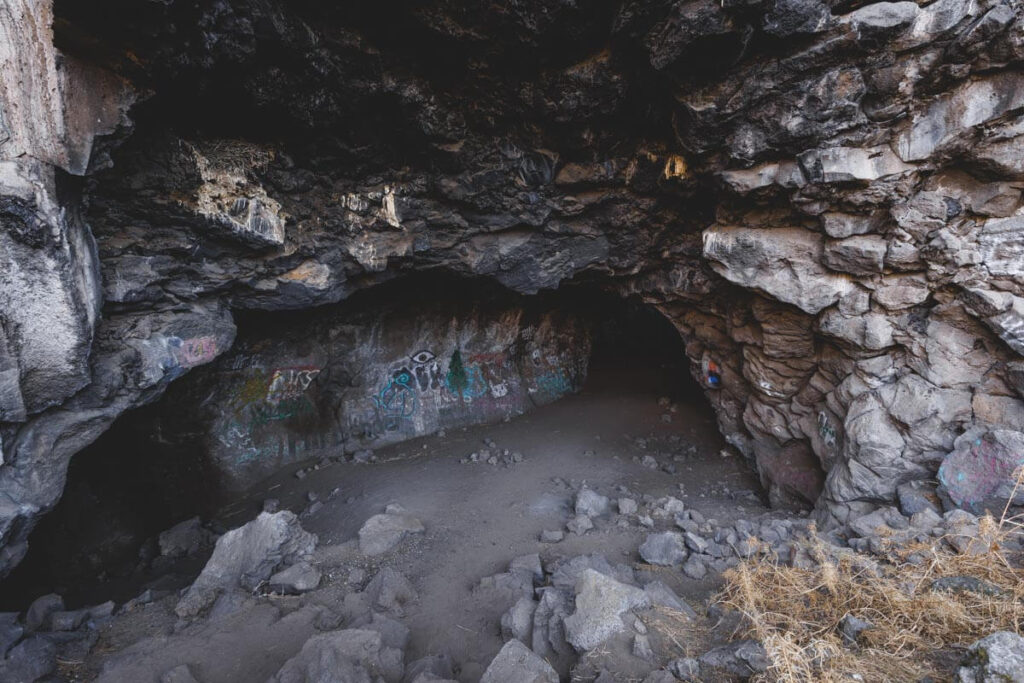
{"type": "Point", "coordinates": [918, 632]}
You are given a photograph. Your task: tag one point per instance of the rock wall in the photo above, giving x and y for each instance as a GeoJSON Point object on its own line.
{"type": "Point", "coordinates": [355, 379]}
{"type": "Point", "coordinates": [824, 197]}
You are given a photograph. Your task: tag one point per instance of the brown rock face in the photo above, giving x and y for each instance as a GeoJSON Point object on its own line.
{"type": "Point", "coordinates": [826, 203]}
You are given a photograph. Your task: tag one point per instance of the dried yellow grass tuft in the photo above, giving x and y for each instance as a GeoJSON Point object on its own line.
{"type": "Point", "coordinates": [917, 632]}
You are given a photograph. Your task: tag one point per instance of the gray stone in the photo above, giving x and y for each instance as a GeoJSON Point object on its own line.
{"type": "Point", "coordinates": [627, 506]}
{"type": "Point", "coordinates": [663, 596]}
{"type": "Point", "coordinates": [665, 548]}
{"type": "Point", "coordinates": [298, 578]}
{"type": "Point", "coordinates": [347, 656]}
{"type": "Point", "coordinates": [246, 557]}
{"type": "Point", "coordinates": [41, 610]}
{"type": "Point", "coordinates": [601, 603]}
{"type": "Point", "coordinates": [383, 532]}
{"type": "Point", "coordinates": [685, 669]}
{"type": "Point", "coordinates": [429, 669]}
{"type": "Point", "coordinates": [784, 263]}
{"type": "Point", "coordinates": [184, 539]}
{"type": "Point", "coordinates": [642, 647]}
{"type": "Point", "coordinates": [549, 536]}
{"type": "Point", "coordinates": [515, 663]}
{"type": "Point", "coordinates": [580, 524]}
{"type": "Point", "coordinates": [390, 591]}
{"type": "Point", "coordinates": [850, 628]}
{"type": "Point", "coordinates": [591, 503]}
{"type": "Point", "coordinates": [179, 674]}
{"type": "Point", "coordinates": [517, 622]}
{"type": "Point", "coordinates": [695, 568]}
{"type": "Point", "coordinates": [10, 631]}
{"type": "Point", "coordinates": [530, 564]}
{"type": "Point", "coordinates": [743, 658]}
{"type": "Point", "coordinates": [30, 660]}
{"type": "Point", "coordinates": [998, 658]}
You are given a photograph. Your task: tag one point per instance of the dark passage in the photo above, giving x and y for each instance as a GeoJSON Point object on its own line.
{"type": "Point", "coordinates": [151, 469]}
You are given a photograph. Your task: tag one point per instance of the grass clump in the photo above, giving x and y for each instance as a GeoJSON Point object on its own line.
{"type": "Point", "coordinates": [918, 630]}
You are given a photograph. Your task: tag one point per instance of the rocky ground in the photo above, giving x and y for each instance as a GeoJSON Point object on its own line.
{"type": "Point", "coordinates": [579, 542]}
{"type": "Point", "coordinates": [578, 484]}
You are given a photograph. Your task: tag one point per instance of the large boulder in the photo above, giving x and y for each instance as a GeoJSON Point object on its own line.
{"type": "Point", "coordinates": [247, 556]}
{"type": "Point", "coordinates": [601, 602]}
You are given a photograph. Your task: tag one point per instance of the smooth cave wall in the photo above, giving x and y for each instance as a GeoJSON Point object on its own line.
{"type": "Point", "coordinates": [153, 467]}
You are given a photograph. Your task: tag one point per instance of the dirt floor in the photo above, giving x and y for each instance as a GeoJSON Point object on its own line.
{"type": "Point", "coordinates": [479, 516]}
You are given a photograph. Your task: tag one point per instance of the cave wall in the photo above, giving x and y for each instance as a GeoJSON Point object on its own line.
{"type": "Point", "coordinates": [415, 360]}
{"type": "Point", "coordinates": [824, 197]}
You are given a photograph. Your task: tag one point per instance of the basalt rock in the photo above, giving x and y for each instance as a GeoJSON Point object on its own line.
{"type": "Point", "coordinates": [824, 201]}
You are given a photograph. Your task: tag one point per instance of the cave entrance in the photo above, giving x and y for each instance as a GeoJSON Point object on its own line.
{"type": "Point", "coordinates": [439, 368]}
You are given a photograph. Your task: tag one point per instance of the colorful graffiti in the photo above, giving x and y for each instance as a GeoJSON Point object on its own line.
{"type": "Point", "coordinates": [290, 383]}
{"type": "Point", "coordinates": [825, 430]}
{"type": "Point", "coordinates": [426, 370]}
{"type": "Point", "coordinates": [396, 401]}
{"type": "Point", "coordinates": [978, 474]}
{"type": "Point", "coordinates": [193, 351]}
{"type": "Point", "coordinates": [554, 382]}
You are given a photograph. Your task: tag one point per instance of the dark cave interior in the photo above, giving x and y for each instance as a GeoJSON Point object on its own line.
{"type": "Point", "coordinates": [148, 472]}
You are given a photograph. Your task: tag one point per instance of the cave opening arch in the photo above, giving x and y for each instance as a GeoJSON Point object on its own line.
{"type": "Point", "coordinates": [174, 459]}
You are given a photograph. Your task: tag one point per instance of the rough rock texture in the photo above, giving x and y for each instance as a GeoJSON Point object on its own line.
{"type": "Point", "coordinates": [247, 556]}
{"type": "Point", "coordinates": [824, 198]}
{"type": "Point", "coordinates": [998, 657]}
{"type": "Point", "coordinates": [374, 373]}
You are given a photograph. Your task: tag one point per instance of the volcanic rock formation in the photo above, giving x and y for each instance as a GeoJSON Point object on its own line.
{"type": "Point", "coordinates": [823, 197]}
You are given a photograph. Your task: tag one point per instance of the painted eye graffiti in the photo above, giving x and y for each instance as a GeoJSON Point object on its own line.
{"type": "Point", "coordinates": [421, 357]}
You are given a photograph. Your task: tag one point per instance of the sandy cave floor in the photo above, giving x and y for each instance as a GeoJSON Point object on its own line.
{"type": "Point", "coordinates": [480, 516]}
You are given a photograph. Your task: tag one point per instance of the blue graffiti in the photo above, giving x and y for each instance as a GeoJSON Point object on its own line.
{"type": "Point", "coordinates": [556, 382]}
{"type": "Point", "coordinates": [476, 385]}
{"type": "Point", "coordinates": [396, 401]}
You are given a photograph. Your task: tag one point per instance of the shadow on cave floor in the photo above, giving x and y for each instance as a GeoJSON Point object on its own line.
{"type": "Point", "coordinates": [478, 516]}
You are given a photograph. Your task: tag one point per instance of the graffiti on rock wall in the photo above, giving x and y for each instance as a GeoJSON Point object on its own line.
{"type": "Point", "coordinates": [426, 370]}
{"type": "Point", "coordinates": [826, 430]}
{"type": "Point", "coordinates": [977, 474]}
{"type": "Point", "coordinates": [397, 401]}
{"type": "Point", "coordinates": [188, 353]}
{"type": "Point", "coordinates": [290, 383]}
{"type": "Point", "coordinates": [261, 400]}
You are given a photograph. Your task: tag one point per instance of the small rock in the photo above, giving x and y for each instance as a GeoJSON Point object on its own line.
{"type": "Point", "coordinates": [627, 506]}
{"type": "Point", "coordinates": [591, 503]}
{"type": "Point", "coordinates": [390, 591]}
{"type": "Point", "coordinates": [299, 578]}
{"type": "Point", "coordinates": [665, 548]}
{"type": "Point", "coordinates": [383, 532]}
{"type": "Point", "coordinates": [529, 564]}
{"type": "Point", "coordinates": [555, 536]}
{"type": "Point", "coordinates": [649, 462]}
{"type": "Point", "coordinates": [850, 628]}
{"type": "Point", "coordinates": [184, 539]}
{"type": "Point", "coordinates": [515, 663]}
{"type": "Point", "coordinates": [41, 610]}
{"type": "Point", "coordinates": [744, 658]}
{"type": "Point", "coordinates": [580, 525]}
{"type": "Point", "coordinates": [686, 669]}
{"type": "Point", "coordinates": [695, 568]}
{"type": "Point", "coordinates": [517, 622]}
{"type": "Point", "coordinates": [179, 674]}
{"type": "Point", "coordinates": [642, 647]}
